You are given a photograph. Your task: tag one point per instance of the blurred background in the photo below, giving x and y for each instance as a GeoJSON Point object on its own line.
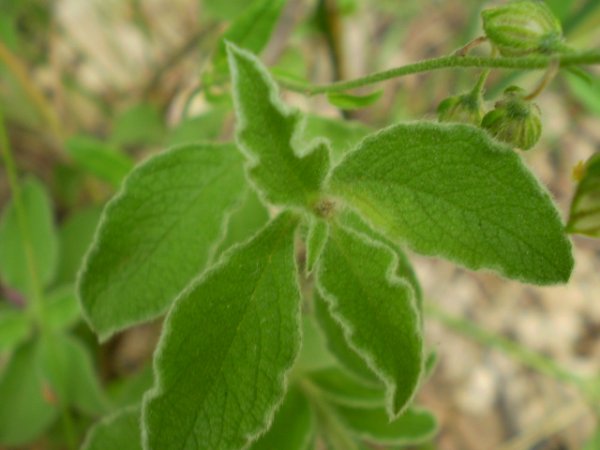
{"type": "Point", "coordinates": [90, 88]}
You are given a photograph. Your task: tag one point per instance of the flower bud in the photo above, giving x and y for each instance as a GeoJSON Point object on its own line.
{"type": "Point", "coordinates": [514, 120]}
{"type": "Point", "coordinates": [522, 27]}
{"type": "Point", "coordinates": [466, 108]}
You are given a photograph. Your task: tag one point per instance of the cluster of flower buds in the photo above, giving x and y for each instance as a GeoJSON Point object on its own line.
{"type": "Point", "coordinates": [518, 28]}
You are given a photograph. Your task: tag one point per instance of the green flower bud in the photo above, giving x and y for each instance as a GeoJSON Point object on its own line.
{"type": "Point", "coordinates": [523, 27]}
{"type": "Point", "coordinates": [466, 108]}
{"type": "Point", "coordinates": [514, 120]}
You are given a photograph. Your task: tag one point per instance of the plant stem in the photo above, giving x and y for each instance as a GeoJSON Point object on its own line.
{"type": "Point", "coordinates": [516, 351]}
{"type": "Point", "coordinates": [17, 68]}
{"type": "Point", "coordinates": [36, 304]}
{"type": "Point", "coordinates": [445, 62]}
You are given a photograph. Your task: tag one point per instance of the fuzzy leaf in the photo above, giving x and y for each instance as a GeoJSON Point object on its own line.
{"type": "Point", "coordinates": [315, 241]}
{"type": "Point", "coordinates": [412, 427]}
{"type": "Point", "coordinates": [229, 341]}
{"type": "Point", "coordinates": [158, 233]}
{"type": "Point", "coordinates": [292, 427]}
{"type": "Point", "coordinates": [377, 311]}
{"type": "Point", "coordinates": [120, 430]}
{"type": "Point", "coordinates": [14, 270]}
{"type": "Point", "coordinates": [25, 410]}
{"type": "Point", "coordinates": [339, 387]}
{"type": "Point", "coordinates": [266, 133]}
{"type": "Point", "coordinates": [450, 190]}
{"type": "Point", "coordinates": [62, 308]}
{"type": "Point", "coordinates": [15, 327]}
{"type": "Point", "coordinates": [584, 217]}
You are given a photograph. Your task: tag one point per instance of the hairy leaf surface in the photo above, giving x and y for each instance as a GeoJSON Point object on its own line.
{"type": "Point", "coordinates": [229, 341]}
{"type": "Point", "coordinates": [450, 190]}
{"type": "Point", "coordinates": [376, 309]}
{"type": "Point", "coordinates": [158, 233]}
{"type": "Point", "coordinates": [266, 132]}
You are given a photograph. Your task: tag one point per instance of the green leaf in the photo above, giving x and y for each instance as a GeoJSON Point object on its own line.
{"type": "Point", "coordinates": [203, 127]}
{"type": "Point", "coordinates": [158, 233]}
{"type": "Point", "coordinates": [129, 390]}
{"type": "Point", "coordinates": [450, 190]}
{"type": "Point", "coordinates": [62, 310]}
{"type": "Point", "coordinates": [594, 442]}
{"type": "Point", "coordinates": [224, 10]}
{"type": "Point", "coordinates": [376, 309]}
{"type": "Point", "coordinates": [315, 242]}
{"type": "Point", "coordinates": [342, 135]}
{"type": "Point", "coordinates": [251, 30]}
{"type": "Point", "coordinates": [412, 427]}
{"type": "Point", "coordinates": [15, 327]}
{"type": "Point", "coordinates": [349, 101]}
{"type": "Point", "coordinates": [587, 92]}
{"type": "Point", "coordinates": [120, 430]}
{"type": "Point", "coordinates": [141, 124]}
{"type": "Point", "coordinates": [584, 217]}
{"type": "Point", "coordinates": [24, 411]}
{"type": "Point", "coordinates": [247, 219]}
{"type": "Point", "coordinates": [40, 223]}
{"type": "Point", "coordinates": [339, 387]}
{"type": "Point", "coordinates": [75, 236]}
{"type": "Point", "coordinates": [337, 344]}
{"type": "Point", "coordinates": [313, 354]}
{"type": "Point", "coordinates": [99, 158]}
{"type": "Point", "coordinates": [67, 367]}
{"type": "Point", "coordinates": [266, 133]}
{"type": "Point", "coordinates": [222, 361]}
{"type": "Point", "coordinates": [292, 427]}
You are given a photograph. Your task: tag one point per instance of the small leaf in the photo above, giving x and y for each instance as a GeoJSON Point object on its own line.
{"type": "Point", "coordinates": [412, 427]}
{"type": "Point", "coordinates": [15, 327]}
{"type": "Point", "coordinates": [315, 242]}
{"type": "Point", "coordinates": [120, 430]}
{"type": "Point", "coordinates": [342, 135]}
{"type": "Point", "coordinates": [203, 127]}
{"type": "Point", "coordinates": [141, 124]}
{"type": "Point", "coordinates": [99, 158]}
{"type": "Point", "coordinates": [376, 309]}
{"type": "Point", "coordinates": [587, 92]}
{"type": "Point", "coordinates": [250, 216]}
{"type": "Point", "coordinates": [338, 346]}
{"type": "Point", "coordinates": [158, 233]}
{"type": "Point", "coordinates": [222, 361]}
{"type": "Point", "coordinates": [26, 409]}
{"type": "Point", "coordinates": [339, 387]}
{"type": "Point", "coordinates": [292, 427]}
{"type": "Point", "coordinates": [349, 101]}
{"type": "Point", "coordinates": [313, 354]}
{"type": "Point", "coordinates": [251, 30]}
{"type": "Point", "coordinates": [75, 236]}
{"type": "Point", "coordinates": [40, 231]}
{"type": "Point", "coordinates": [450, 190]}
{"type": "Point", "coordinates": [584, 217]}
{"type": "Point", "coordinates": [61, 310]}
{"type": "Point", "coordinates": [266, 133]}
{"type": "Point", "coordinates": [129, 390]}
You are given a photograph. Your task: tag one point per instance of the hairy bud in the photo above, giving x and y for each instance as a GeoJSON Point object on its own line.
{"type": "Point", "coordinates": [466, 108]}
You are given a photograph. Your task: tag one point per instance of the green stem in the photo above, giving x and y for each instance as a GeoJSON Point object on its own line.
{"type": "Point", "coordinates": [445, 62]}
{"type": "Point", "coordinates": [335, 431]}
{"type": "Point", "coordinates": [36, 304]}
{"type": "Point", "coordinates": [479, 86]}
{"type": "Point", "coordinates": [523, 355]}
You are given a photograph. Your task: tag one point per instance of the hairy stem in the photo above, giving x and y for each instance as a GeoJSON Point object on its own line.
{"type": "Point", "coordinates": [446, 62]}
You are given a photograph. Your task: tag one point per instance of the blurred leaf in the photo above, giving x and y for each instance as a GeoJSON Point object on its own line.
{"type": "Point", "coordinates": [15, 327]}
{"type": "Point", "coordinates": [119, 431]}
{"type": "Point", "coordinates": [339, 387]}
{"type": "Point", "coordinates": [560, 8]}
{"type": "Point", "coordinates": [291, 65]}
{"type": "Point", "coordinates": [75, 236]}
{"type": "Point", "coordinates": [349, 101]}
{"type": "Point", "coordinates": [61, 310]}
{"type": "Point", "coordinates": [141, 124]}
{"type": "Point", "coordinates": [412, 427]}
{"type": "Point", "coordinates": [225, 10]}
{"type": "Point", "coordinates": [203, 127]}
{"type": "Point", "coordinates": [594, 442]}
{"type": "Point", "coordinates": [129, 390]}
{"type": "Point", "coordinates": [67, 366]}
{"type": "Point", "coordinates": [584, 217]}
{"type": "Point", "coordinates": [313, 354]}
{"type": "Point", "coordinates": [315, 242]}
{"type": "Point", "coordinates": [251, 31]}
{"type": "Point", "coordinates": [25, 409]}
{"type": "Point", "coordinates": [342, 135]}
{"type": "Point", "coordinates": [44, 244]}
{"type": "Point", "coordinates": [586, 92]}
{"type": "Point", "coordinates": [292, 427]}
{"type": "Point", "coordinates": [99, 158]}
